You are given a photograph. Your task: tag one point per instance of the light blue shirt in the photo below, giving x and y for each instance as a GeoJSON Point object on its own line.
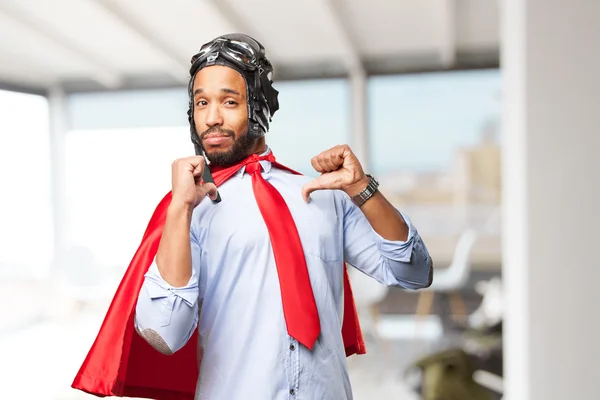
{"type": "Point", "coordinates": [234, 295]}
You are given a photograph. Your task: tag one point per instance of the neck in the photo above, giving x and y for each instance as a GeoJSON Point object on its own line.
{"type": "Point", "coordinates": [260, 146]}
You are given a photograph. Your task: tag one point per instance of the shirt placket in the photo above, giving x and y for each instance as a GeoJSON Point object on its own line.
{"type": "Point", "coordinates": [293, 367]}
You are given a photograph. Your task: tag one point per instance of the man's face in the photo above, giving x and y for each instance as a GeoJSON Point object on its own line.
{"type": "Point", "coordinates": [221, 114]}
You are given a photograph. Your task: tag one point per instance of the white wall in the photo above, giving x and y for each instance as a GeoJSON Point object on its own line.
{"type": "Point", "coordinates": [551, 61]}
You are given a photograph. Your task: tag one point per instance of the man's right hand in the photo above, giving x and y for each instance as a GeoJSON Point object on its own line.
{"type": "Point", "coordinates": [186, 178]}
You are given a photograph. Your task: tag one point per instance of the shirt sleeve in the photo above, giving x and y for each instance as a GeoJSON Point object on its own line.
{"type": "Point", "coordinates": [395, 263]}
{"type": "Point", "coordinates": [167, 316]}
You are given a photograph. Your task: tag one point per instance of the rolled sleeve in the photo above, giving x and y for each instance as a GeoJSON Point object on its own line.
{"type": "Point", "coordinates": [159, 288]}
{"type": "Point", "coordinates": [397, 250]}
{"type": "Point", "coordinates": [409, 262]}
{"type": "Point", "coordinates": [395, 263]}
{"type": "Point", "coordinates": [171, 312]}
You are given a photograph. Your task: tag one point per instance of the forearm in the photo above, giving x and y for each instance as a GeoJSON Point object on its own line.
{"type": "Point", "coordinates": [384, 218]}
{"type": "Point", "coordinates": [404, 263]}
{"type": "Point", "coordinates": [174, 259]}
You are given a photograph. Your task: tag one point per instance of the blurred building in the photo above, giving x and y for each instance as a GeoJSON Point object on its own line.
{"type": "Point", "coordinates": [468, 194]}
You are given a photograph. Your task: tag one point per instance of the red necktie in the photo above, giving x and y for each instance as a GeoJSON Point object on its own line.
{"type": "Point", "coordinates": [299, 307]}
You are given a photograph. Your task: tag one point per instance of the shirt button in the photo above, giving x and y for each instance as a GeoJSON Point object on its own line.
{"type": "Point", "coordinates": [292, 392]}
{"type": "Point", "coordinates": [292, 347]}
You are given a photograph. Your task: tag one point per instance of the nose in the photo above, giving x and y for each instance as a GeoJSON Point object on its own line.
{"type": "Point", "coordinates": [213, 116]}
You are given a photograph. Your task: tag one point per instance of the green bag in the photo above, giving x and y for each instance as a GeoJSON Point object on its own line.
{"type": "Point", "coordinates": [448, 375]}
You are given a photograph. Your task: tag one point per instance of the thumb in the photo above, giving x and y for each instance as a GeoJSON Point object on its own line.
{"type": "Point", "coordinates": [208, 189]}
{"type": "Point", "coordinates": [310, 187]}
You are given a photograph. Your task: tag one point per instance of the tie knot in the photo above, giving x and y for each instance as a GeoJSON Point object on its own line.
{"type": "Point", "coordinates": [253, 166]}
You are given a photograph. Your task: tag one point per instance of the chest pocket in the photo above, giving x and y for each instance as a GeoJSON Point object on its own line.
{"type": "Point", "coordinates": [321, 234]}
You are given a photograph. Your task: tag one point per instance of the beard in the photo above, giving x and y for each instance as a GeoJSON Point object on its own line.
{"type": "Point", "coordinates": [240, 149]}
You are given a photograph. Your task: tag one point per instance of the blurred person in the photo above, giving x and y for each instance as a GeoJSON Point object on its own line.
{"type": "Point", "coordinates": [247, 295]}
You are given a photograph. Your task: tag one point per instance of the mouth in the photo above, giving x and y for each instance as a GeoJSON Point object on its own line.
{"type": "Point", "coordinates": [216, 139]}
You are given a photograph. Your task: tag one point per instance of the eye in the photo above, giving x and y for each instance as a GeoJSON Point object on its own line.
{"type": "Point", "coordinates": [231, 102]}
{"type": "Point", "coordinates": [201, 103]}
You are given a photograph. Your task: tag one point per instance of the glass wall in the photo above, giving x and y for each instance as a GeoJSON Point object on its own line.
{"type": "Point", "coordinates": [313, 117]}
{"type": "Point", "coordinates": [434, 144]}
{"type": "Point", "coordinates": [433, 141]}
{"type": "Point", "coordinates": [115, 177]}
{"type": "Point", "coordinates": [25, 211]}
{"type": "Point", "coordinates": [418, 122]}
{"type": "Point", "coordinates": [114, 180]}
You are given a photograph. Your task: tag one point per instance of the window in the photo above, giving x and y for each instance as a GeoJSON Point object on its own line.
{"type": "Point", "coordinates": [116, 177]}
{"type": "Point", "coordinates": [313, 117]}
{"type": "Point", "coordinates": [25, 212]}
{"type": "Point", "coordinates": [114, 180]}
{"type": "Point", "coordinates": [418, 121]}
{"type": "Point", "coordinates": [435, 147]}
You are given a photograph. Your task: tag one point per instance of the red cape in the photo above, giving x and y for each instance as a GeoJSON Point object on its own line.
{"type": "Point", "coordinates": [121, 363]}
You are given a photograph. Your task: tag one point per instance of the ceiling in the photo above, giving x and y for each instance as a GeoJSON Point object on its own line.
{"type": "Point", "coordinates": [88, 45]}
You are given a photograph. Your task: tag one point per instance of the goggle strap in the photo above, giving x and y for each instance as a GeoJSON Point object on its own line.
{"type": "Point", "coordinates": [271, 94]}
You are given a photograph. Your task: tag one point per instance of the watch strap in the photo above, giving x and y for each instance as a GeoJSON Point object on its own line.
{"type": "Point", "coordinates": [367, 193]}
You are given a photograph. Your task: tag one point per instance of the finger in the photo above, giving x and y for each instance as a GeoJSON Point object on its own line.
{"type": "Point", "coordinates": [212, 191]}
{"type": "Point", "coordinates": [323, 162]}
{"type": "Point", "coordinates": [344, 150]}
{"type": "Point", "coordinates": [333, 160]}
{"type": "Point", "coordinates": [315, 164]}
{"type": "Point", "coordinates": [310, 187]}
{"type": "Point", "coordinates": [208, 189]}
{"type": "Point", "coordinates": [189, 163]}
{"type": "Point", "coordinates": [198, 163]}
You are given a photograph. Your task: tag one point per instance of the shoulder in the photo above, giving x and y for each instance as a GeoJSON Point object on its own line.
{"type": "Point", "coordinates": [281, 177]}
{"type": "Point", "coordinates": [288, 173]}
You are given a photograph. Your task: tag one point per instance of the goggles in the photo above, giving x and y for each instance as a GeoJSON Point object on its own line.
{"type": "Point", "coordinates": [240, 53]}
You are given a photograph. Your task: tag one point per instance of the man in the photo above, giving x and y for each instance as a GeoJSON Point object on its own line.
{"type": "Point", "coordinates": [261, 274]}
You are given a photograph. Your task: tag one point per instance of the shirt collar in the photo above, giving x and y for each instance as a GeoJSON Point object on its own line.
{"type": "Point", "coordinates": [266, 165]}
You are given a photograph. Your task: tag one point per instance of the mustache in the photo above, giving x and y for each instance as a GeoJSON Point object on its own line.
{"type": "Point", "coordinates": [218, 130]}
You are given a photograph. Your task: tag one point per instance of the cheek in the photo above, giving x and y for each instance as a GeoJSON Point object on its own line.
{"type": "Point", "coordinates": [199, 119]}
{"type": "Point", "coordinates": [238, 121]}
{"type": "Point", "coordinates": [243, 124]}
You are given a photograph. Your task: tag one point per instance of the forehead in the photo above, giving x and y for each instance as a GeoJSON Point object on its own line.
{"type": "Point", "coordinates": [219, 77]}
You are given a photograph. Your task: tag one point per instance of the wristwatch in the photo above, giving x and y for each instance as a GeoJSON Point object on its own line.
{"type": "Point", "coordinates": [366, 194]}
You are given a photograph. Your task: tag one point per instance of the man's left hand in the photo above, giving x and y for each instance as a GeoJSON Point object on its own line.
{"type": "Point", "coordinates": [340, 169]}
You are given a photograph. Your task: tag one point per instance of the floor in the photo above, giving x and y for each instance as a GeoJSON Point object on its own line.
{"type": "Point", "coordinates": [41, 360]}
{"type": "Point", "coordinates": [44, 340]}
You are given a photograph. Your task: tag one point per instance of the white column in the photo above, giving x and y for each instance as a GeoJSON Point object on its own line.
{"type": "Point", "coordinates": [551, 222]}
{"type": "Point", "coordinates": [58, 130]}
{"type": "Point", "coordinates": [358, 118]}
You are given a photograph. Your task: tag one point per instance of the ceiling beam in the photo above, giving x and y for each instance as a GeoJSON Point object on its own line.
{"type": "Point", "coordinates": [374, 66]}
{"type": "Point", "coordinates": [178, 66]}
{"type": "Point", "coordinates": [101, 72]}
{"type": "Point", "coordinates": [340, 20]}
{"type": "Point", "coordinates": [239, 25]}
{"type": "Point", "coordinates": [23, 71]}
{"type": "Point", "coordinates": [228, 14]}
{"type": "Point", "coordinates": [20, 88]}
{"type": "Point", "coordinates": [448, 33]}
